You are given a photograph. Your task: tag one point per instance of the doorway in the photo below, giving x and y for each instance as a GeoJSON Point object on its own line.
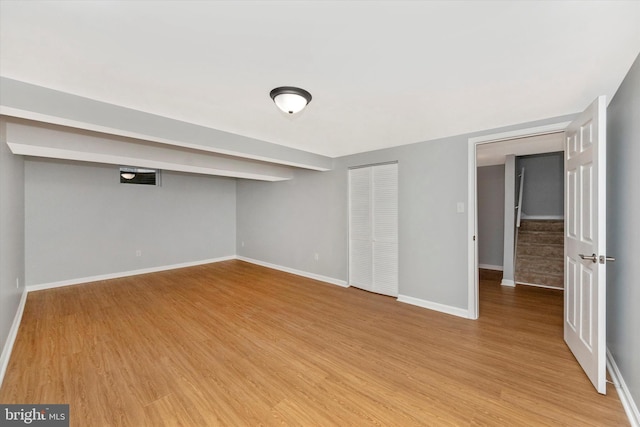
{"type": "Point", "coordinates": [504, 140]}
{"type": "Point", "coordinates": [525, 244]}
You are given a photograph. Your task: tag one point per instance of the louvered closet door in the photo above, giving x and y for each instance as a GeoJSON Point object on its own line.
{"type": "Point", "coordinates": [373, 228]}
{"type": "Point", "coordinates": [385, 229]}
{"type": "Point", "coordinates": [360, 229]}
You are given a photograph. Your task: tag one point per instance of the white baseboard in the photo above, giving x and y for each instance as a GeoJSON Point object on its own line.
{"type": "Point", "coordinates": [543, 217]}
{"type": "Point", "coordinates": [628, 404]}
{"type": "Point", "coordinates": [314, 276]}
{"type": "Point", "coordinates": [13, 333]}
{"type": "Point", "coordinates": [456, 311]}
{"type": "Point", "coordinates": [508, 282]}
{"type": "Point", "coordinates": [490, 267]}
{"type": "Point", "coordinates": [78, 281]}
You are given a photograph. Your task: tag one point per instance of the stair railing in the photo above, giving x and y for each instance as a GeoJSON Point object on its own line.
{"type": "Point", "coordinates": [518, 218]}
{"type": "Point", "coordinates": [519, 205]}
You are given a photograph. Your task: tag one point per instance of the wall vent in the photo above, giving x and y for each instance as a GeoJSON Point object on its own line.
{"type": "Point", "coordinates": [131, 175]}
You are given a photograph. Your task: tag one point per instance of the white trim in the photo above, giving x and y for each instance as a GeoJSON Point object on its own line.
{"type": "Point", "coordinates": [508, 282]}
{"type": "Point", "coordinates": [456, 311]}
{"type": "Point", "coordinates": [540, 286]}
{"type": "Point", "coordinates": [519, 133]}
{"type": "Point", "coordinates": [78, 281]}
{"type": "Point", "coordinates": [306, 274]}
{"type": "Point", "coordinates": [472, 210]}
{"type": "Point", "coordinates": [490, 267]}
{"type": "Point", "coordinates": [543, 217]}
{"type": "Point", "coordinates": [11, 338]}
{"type": "Point", "coordinates": [473, 301]}
{"type": "Point", "coordinates": [628, 404]}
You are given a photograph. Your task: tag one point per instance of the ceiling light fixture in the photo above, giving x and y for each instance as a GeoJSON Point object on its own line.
{"type": "Point", "coordinates": [290, 99]}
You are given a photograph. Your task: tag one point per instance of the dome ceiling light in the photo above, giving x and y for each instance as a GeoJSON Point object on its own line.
{"type": "Point", "coordinates": [290, 99]}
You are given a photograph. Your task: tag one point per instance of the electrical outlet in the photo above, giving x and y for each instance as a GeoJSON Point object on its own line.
{"type": "Point", "coordinates": [460, 207]}
{"type": "Point", "coordinates": [138, 252]}
{"type": "Point", "coordinates": [316, 256]}
{"type": "Point", "coordinates": [242, 244]}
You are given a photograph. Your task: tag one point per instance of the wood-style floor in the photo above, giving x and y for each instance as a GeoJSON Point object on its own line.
{"type": "Point", "coordinates": [236, 344]}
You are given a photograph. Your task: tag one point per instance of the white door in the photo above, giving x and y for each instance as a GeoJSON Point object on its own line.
{"type": "Point", "coordinates": [360, 229]}
{"type": "Point", "coordinates": [585, 241]}
{"type": "Point", "coordinates": [373, 228]}
{"type": "Point", "coordinates": [385, 229]}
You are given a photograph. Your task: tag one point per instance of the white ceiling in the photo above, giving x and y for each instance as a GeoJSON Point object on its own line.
{"type": "Point", "coordinates": [381, 73]}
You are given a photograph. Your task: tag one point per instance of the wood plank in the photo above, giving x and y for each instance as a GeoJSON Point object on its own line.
{"type": "Point", "coordinates": [232, 343]}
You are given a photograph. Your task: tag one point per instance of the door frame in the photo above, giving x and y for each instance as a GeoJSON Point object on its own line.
{"type": "Point", "coordinates": [472, 202]}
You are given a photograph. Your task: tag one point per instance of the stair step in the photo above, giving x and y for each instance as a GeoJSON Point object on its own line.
{"type": "Point", "coordinates": [541, 250]}
{"type": "Point", "coordinates": [546, 237]}
{"type": "Point", "coordinates": [540, 253]}
{"type": "Point", "coordinates": [542, 225]}
{"type": "Point", "coordinates": [556, 280]}
{"type": "Point", "coordinates": [539, 265]}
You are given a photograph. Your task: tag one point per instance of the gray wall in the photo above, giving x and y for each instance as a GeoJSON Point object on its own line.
{"type": "Point", "coordinates": [284, 223]}
{"type": "Point", "coordinates": [81, 222]}
{"type": "Point", "coordinates": [11, 234]}
{"type": "Point", "coordinates": [490, 182]}
{"type": "Point", "coordinates": [623, 229]}
{"type": "Point", "coordinates": [543, 193]}
{"type": "Point", "coordinates": [287, 223]}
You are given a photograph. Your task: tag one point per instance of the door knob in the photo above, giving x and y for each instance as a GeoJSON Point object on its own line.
{"type": "Point", "coordinates": [593, 257]}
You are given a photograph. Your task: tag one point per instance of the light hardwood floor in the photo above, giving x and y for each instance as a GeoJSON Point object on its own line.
{"type": "Point", "coordinates": [236, 344]}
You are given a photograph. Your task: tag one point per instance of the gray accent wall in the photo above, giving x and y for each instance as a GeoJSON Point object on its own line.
{"type": "Point", "coordinates": [81, 222]}
{"type": "Point", "coordinates": [11, 235]}
{"type": "Point", "coordinates": [623, 229]}
{"type": "Point", "coordinates": [490, 182]}
{"type": "Point", "coordinates": [543, 193]}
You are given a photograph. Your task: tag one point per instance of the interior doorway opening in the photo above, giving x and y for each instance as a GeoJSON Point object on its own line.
{"type": "Point", "coordinates": [520, 210]}
{"type": "Point", "coordinates": [481, 151]}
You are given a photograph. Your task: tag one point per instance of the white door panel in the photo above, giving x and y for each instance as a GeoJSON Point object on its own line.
{"type": "Point", "coordinates": [385, 268]}
{"type": "Point", "coordinates": [585, 234]}
{"type": "Point", "coordinates": [361, 264]}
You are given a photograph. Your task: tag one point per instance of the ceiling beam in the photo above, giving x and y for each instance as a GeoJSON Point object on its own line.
{"type": "Point", "coordinates": [29, 138]}
{"type": "Point", "coordinates": [28, 101]}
